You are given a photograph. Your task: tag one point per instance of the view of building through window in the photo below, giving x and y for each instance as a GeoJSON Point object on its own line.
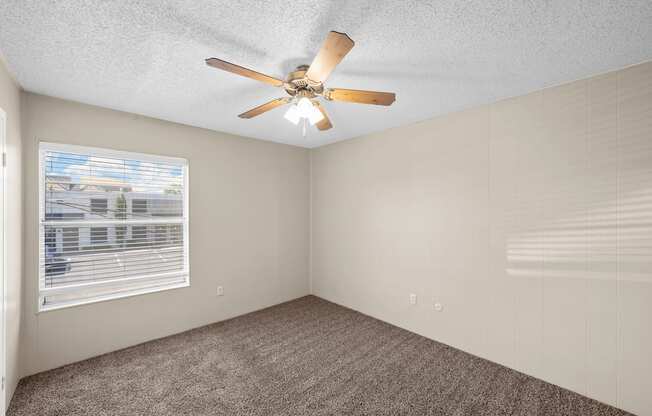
{"type": "Point", "coordinates": [108, 218]}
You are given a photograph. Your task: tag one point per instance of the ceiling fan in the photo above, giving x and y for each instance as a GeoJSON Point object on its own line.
{"type": "Point", "coordinates": [306, 83]}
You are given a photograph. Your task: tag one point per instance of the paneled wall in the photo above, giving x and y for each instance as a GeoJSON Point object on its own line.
{"type": "Point", "coordinates": [529, 220]}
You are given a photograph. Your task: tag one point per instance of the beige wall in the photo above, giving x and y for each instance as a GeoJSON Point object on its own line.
{"type": "Point", "coordinates": [530, 220]}
{"type": "Point", "coordinates": [10, 103]}
{"type": "Point", "coordinates": [249, 231]}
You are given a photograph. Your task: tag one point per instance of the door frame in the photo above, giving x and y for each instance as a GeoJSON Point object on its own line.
{"type": "Point", "coordinates": [3, 261]}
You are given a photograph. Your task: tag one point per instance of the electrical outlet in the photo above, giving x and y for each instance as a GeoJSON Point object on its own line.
{"type": "Point", "coordinates": [220, 291]}
{"type": "Point", "coordinates": [413, 299]}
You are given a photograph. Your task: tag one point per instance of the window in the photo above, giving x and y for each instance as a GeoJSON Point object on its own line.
{"type": "Point", "coordinates": [93, 247]}
{"type": "Point", "coordinates": [99, 235]}
{"type": "Point", "coordinates": [70, 241]}
{"type": "Point", "coordinates": [139, 234]}
{"type": "Point", "coordinates": [139, 206]}
{"type": "Point", "coordinates": [99, 206]}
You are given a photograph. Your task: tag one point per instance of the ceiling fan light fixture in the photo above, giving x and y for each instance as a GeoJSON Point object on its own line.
{"type": "Point", "coordinates": [305, 107]}
{"type": "Point", "coordinates": [293, 115]}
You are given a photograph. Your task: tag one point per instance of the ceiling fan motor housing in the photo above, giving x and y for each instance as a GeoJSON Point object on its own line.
{"type": "Point", "coordinates": [298, 84]}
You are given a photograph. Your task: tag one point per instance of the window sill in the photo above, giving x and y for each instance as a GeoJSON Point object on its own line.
{"type": "Point", "coordinates": [128, 294]}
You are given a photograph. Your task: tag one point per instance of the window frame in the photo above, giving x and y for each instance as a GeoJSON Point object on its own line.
{"type": "Point", "coordinates": [46, 145]}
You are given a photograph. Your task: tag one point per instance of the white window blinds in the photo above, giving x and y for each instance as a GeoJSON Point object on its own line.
{"type": "Point", "coordinates": [112, 224]}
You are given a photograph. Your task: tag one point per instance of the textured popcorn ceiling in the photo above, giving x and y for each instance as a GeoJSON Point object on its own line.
{"type": "Point", "coordinates": [147, 56]}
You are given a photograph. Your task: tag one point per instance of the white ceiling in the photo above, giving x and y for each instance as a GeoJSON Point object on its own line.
{"type": "Point", "coordinates": [147, 56]}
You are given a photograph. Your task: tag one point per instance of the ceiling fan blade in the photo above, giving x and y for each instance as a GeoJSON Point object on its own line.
{"type": "Point", "coordinates": [239, 70]}
{"type": "Point", "coordinates": [324, 123]}
{"type": "Point", "coordinates": [334, 49]}
{"type": "Point", "coordinates": [270, 105]}
{"type": "Point", "coordinates": [360, 96]}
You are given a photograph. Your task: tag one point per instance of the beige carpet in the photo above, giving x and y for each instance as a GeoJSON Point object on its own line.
{"type": "Point", "coordinates": [305, 357]}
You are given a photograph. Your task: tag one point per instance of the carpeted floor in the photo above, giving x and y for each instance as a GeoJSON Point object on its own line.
{"type": "Point", "coordinates": [305, 357]}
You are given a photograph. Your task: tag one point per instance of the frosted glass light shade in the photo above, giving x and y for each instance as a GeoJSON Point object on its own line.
{"type": "Point", "coordinates": [293, 115]}
{"type": "Point", "coordinates": [305, 107]}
